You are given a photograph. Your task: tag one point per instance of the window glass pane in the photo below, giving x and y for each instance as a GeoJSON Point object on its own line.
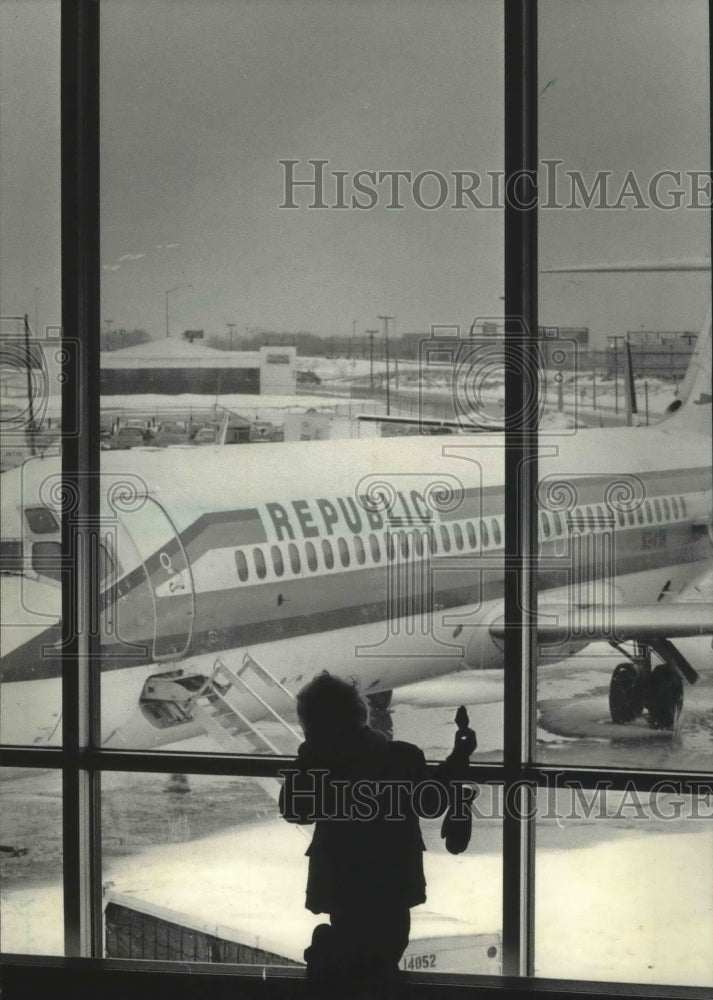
{"type": "Point", "coordinates": [203, 869]}
{"type": "Point", "coordinates": [206, 334]}
{"type": "Point", "coordinates": [31, 862]}
{"type": "Point", "coordinates": [624, 301]}
{"type": "Point", "coordinates": [624, 886]}
{"type": "Point", "coordinates": [32, 352]}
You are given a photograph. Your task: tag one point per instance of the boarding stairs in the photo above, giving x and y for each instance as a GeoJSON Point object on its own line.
{"type": "Point", "coordinates": [223, 705]}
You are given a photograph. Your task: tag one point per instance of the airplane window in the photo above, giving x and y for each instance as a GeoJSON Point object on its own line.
{"type": "Point", "coordinates": [375, 548]}
{"type": "Point", "coordinates": [404, 543]}
{"type": "Point", "coordinates": [327, 553]}
{"type": "Point", "coordinates": [260, 567]}
{"type": "Point", "coordinates": [445, 538]}
{"type": "Point", "coordinates": [458, 535]}
{"type": "Point", "coordinates": [242, 565]}
{"type": "Point", "coordinates": [496, 531]}
{"type": "Point", "coordinates": [666, 509]}
{"type": "Point", "coordinates": [295, 561]}
{"type": "Point", "coordinates": [484, 539]}
{"type": "Point", "coordinates": [683, 507]}
{"type": "Point", "coordinates": [657, 508]}
{"type": "Point", "coordinates": [674, 505]}
{"type": "Point", "coordinates": [343, 552]}
{"type": "Point", "coordinates": [390, 546]}
{"type": "Point", "coordinates": [46, 557]}
{"type": "Point", "coordinates": [359, 550]}
{"type": "Point", "coordinates": [11, 556]}
{"type": "Point", "coordinates": [277, 563]}
{"type": "Point", "coordinates": [545, 524]}
{"type": "Point", "coordinates": [556, 517]}
{"type": "Point", "coordinates": [41, 520]}
{"type": "Point", "coordinates": [311, 556]}
{"type": "Point", "coordinates": [472, 537]}
{"type": "Point", "coordinates": [649, 512]}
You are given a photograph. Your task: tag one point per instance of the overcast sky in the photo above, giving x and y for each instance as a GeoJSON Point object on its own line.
{"type": "Point", "coordinates": [200, 101]}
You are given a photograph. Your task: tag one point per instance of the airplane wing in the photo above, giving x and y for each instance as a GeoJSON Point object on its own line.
{"type": "Point", "coordinates": [654, 625]}
{"type": "Point", "coordinates": [622, 623]}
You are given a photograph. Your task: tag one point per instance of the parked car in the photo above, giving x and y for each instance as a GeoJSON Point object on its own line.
{"type": "Point", "coordinates": [127, 437]}
{"type": "Point", "coordinates": [170, 432]}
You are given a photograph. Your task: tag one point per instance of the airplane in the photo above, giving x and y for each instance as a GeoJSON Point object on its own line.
{"type": "Point", "coordinates": [236, 574]}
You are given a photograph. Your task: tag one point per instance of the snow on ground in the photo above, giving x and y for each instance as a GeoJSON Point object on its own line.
{"type": "Point", "coordinates": [624, 907]}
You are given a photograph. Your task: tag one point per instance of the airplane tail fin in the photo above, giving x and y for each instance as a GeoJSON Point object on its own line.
{"type": "Point", "coordinates": [691, 409]}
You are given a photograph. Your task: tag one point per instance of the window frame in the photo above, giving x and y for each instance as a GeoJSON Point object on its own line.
{"type": "Point", "coordinates": [81, 758]}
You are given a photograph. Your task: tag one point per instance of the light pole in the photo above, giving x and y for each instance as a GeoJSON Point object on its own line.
{"type": "Point", "coordinates": [168, 292]}
{"type": "Point", "coordinates": [386, 352]}
{"type": "Point", "coordinates": [371, 334]}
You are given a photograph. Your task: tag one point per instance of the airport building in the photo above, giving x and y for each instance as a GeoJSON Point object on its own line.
{"type": "Point", "coordinates": [175, 367]}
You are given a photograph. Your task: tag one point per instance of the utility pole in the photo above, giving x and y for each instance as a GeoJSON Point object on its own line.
{"type": "Point", "coordinates": [231, 328]}
{"type": "Point", "coordinates": [386, 352]}
{"type": "Point", "coordinates": [371, 334]}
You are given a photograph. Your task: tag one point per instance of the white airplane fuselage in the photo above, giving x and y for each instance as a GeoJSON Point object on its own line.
{"type": "Point", "coordinates": [381, 559]}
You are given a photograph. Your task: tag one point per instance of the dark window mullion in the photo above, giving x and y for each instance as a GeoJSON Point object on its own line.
{"type": "Point", "coordinates": [520, 479]}
{"type": "Point", "coordinates": [80, 469]}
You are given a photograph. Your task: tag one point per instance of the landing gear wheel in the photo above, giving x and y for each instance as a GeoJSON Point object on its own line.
{"type": "Point", "coordinates": [626, 695]}
{"type": "Point", "coordinates": [665, 697]}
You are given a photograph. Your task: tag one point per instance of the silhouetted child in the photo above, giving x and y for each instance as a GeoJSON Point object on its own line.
{"type": "Point", "coordinates": [365, 795]}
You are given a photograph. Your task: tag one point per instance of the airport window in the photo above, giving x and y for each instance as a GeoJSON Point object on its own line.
{"type": "Point", "coordinates": [294, 554]}
{"type": "Point", "coordinates": [278, 564]}
{"type": "Point", "coordinates": [41, 521]}
{"type": "Point", "coordinates": [260, 566]}
{"type": "Point", "coordinates": [542, 911]}
{"type": "Point", "coordinates": [327, 553]}
{"type": "Point", "coordinates": [374, 547]}
{"type": "Point", "coordinates": [241, 565]}
{"type": "Point", "coordinates": [311, 556]}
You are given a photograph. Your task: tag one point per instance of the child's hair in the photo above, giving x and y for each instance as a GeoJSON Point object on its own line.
{"type": "Point", "coordinates": [329, 705]}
